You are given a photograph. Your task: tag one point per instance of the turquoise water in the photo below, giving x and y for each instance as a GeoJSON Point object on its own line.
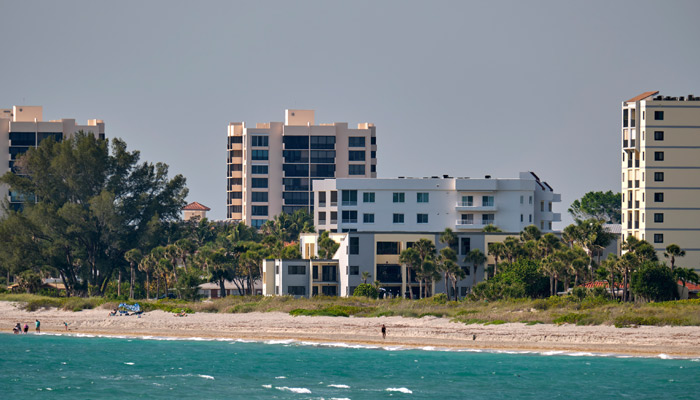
{"type": "Point", "coordinates": [57, 367]}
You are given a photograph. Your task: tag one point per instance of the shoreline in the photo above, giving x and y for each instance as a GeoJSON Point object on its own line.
{"type": "Point", "coordinates": [428, 333]}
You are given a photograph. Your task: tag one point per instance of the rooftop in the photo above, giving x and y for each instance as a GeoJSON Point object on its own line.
{"type": "Point", "coordinates": [194, 206]}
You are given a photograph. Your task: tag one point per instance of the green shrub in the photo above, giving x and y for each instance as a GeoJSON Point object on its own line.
{"type": "Point", "coordinates": [440, 298]}
{"type": "Point", "coordinates": [579, 292]}
{"type": "Point", "coordinates": [654, 282]}
{"type": "Point", "coordinates": [330, 311]}
{"type": "Point", "coordinates": [627, 320]}
{"type": "Point", "coordinates": [570, 318]}
{"type": "Point", "coordinates": [495, 322]}
{"type": "Point", "coordinates": [366, 290]}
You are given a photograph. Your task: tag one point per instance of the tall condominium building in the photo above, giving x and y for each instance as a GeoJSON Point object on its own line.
{"type": "Point", "coordinates": [22, 127]}
{"type": "Point", "coordinates": [271, 167]}
{"type": "Point", "coordinates": [433, 204]}
{"type": "Point", "coordinates": [661, 172]}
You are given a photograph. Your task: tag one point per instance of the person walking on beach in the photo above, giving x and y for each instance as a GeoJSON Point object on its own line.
{"type": "Point", "coordinates": [17, 329]}
{"type": "Point", "coordinates": [383, 331]}
{"type": "Point", "coordinates": [26, 328]}
{"type": "Point", "coordinates": [38, 326]}
{"type": "Point", "coordinates": [66, 324]}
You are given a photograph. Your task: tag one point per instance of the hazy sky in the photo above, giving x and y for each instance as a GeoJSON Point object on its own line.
{"type": "Point", "coordinates": [460, 88]}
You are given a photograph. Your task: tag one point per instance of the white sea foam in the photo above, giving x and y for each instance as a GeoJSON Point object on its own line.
{"type": "Point", "coordinates": [340, 386]}
{"type": "Point", "coordinates": [267, 386]}
{"type": "Point", "coordinates": [206, 377]}
{"type": "Point", "coordinates": [129, 363]}
{"type": "Point", "coordinates": [294, 390]}
{"type": "Point", "coordinates": [280, 377]}
{"type": "Point", "coordinates": [284, 341]}
{"type": "Point", "coordinates": [401, 389]}
{"type": "Point", "coordinates": [665, 356]}
{"type": "Point", "coordinates": [339, 398]}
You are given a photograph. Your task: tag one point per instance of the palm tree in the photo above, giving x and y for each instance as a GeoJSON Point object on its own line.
{"type": "Point", "coordinates": [673, 251]}
{"type": "Point", "coordinates": [512, 248]}
{"type": "Point", "coordinates": [614, 267]}
{"type": "Point", "coordinates": [449, 238]}
{"type": "Point", "coordinates": [548, 243]}
{"type": "Point", "coordinates": [133, 257]}
{"type": "Point", "coordinates": [530, 232]}
{"type": "Point", "coordinates": [497, 250]}
{"type": "Point", "coordinates": [445, 260]}
{"type": "Point", "coordinates": [365, 275]}
{"type": "Point", "coordinates": [456, 274]}
{"type": "Point", "coordinates": [326, 246]}
{"type": "Point", "coordinates": [185, 247]}
{"type": "Point", "coordinates": [221, 271]}
{"type": "Point", "coordinates": [491, 228]}
{"type": "Point", "coordinates": [475, 257]}
{"type": "Point", "coordinates": [686, 275]}
{"type": "Point", "coordinates": [411, 259]}
{"type": "Point", "coordinates": [173, 255]}
{"type": "Point", "coordinates": [147, 264]}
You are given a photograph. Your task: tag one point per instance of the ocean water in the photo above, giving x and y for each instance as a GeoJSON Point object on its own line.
{"type": "Point", "coordinates": [69, 367]}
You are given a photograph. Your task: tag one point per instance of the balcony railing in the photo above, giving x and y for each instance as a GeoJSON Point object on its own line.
{"type": "Point", "coordinates": [465, 204]}
{"type": "Point", "coordinates": [334, 221]}
{"type": "Point", "coordinates": [471, 222]}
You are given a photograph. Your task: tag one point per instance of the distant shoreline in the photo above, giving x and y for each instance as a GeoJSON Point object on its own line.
{"type": "Point", "coordinates": [428, 333]}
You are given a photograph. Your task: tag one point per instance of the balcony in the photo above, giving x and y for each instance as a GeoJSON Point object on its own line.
{"type": "Point", "coordinates": [636, 224]}
{"type": "Point", "coordinates": [334, 221]}
{"type": "Point", "coordinates": [629, 204]}
{"type": "Point", "coordinates": [472, 224]}
{"type": "Point", "coordinates": [636, 184]}
{"type": "Point", "coordinates": [629, 224]}
{"type": "Point", "coordinates": [636, 204]}
{"type": "Point", "coordinates": [464, 206]}
{"type": "Point", "coordinates": [629, 144]}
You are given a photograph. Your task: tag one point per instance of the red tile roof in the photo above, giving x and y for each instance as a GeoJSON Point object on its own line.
{"type": "Point", "coordinates": [603, 284]}
{"type": "Point", "coordinates": [642, 96]}
{"type": "Point", "coordinates": [690, 286]}
{"type": "Point", "coordinates": [194, 206]}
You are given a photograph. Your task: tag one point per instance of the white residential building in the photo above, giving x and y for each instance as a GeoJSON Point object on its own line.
{"type": "Point", "coordinates": [270, 166]}
{"type": "Point", "coordinates": [433, 204]}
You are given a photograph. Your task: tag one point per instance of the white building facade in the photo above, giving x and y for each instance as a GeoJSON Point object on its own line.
{"type": "Point", "coordinates": [433, 204]}
{"type": "Point", "coordinates": [271, 167]}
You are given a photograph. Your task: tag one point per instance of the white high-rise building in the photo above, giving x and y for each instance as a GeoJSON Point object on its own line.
{"type": "Point", "coordinates": [271, 166]}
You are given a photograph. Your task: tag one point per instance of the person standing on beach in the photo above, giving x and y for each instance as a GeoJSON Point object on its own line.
{"type": "Point", "coordinates": [383, 331]}
{"type": "Point", "coordinates": [66, 324]}
{"type": "Point", "coordinates": [38, 325]}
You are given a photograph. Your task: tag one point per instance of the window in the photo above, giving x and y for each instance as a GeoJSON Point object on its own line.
{"type": "Point", "coordinates": [384, 248]}
{"type": "Point", "coordinates": [368, 197]}
{"type": "Point", "coordinates": [549, 205]}
{"type": "Point", "coordinates": [258, 169]}
{"type": "Point", "coordinates": [658, 156]}
{"type": "Point", "coordinates": [323, 156]}
{"type": "Point", "coordinates": [658, 217]}
{"type": "Point", "coordinates": [297, 290]}
{"type": "Point", "coordinates": [259, 183]}
{"type": "Point", "coordinates": [295, 142]}
{"type": "Point", "coordinates": [659, 115]}
{"type": "Point", "coordinates": [356, 169]}
{"type": "Point", "coordinates": [334, 217]}
{"type": "Point", "coordinates": [549, 224]}
{"type": "Point", "coordinates": [259, 141]}
{"type": "Point", "coordinates": [322, 218]}
{"type": "Point", "coordinates": [349, 217]}
{"type": "Point", "coordinates": [354, 155]}
{"type": "Point", "coordinates": [258, 197]}
{"type": "Point", "coordinates": [349, 197]}
{"type": "Point", "coordinates": [260, 211]}
{"type": "Point", "coordinates": [334, 197]}
{"type": "Point", "coordinates": [257, 223]}
{"type": "Point", "coordinates": [522, 198]}
{"type": "Point", "coordinates": [354, 270]}
{"type": "Point", "coordinates": [356, 141]}
{"type": "Point", "coordinates": [321, 199]}
{"type": "Point", "coordinates": [373, 154]}
{"type": "Point", "coordinates": [465, 245]}
{"type": "Point", "coordinates": [658, 197]}
{"type": "Point", "coordinates": [487, 201]}
{"type": "Point", "coordinates": [398, 218]}
{"type": "Point", "coordinates": [530, 219]}
{"type": "Point", "coordinates": [542, 206]}
{"type": "Point", "coordinates": [522, 217]}
{"type": "Point", "coordinates": [487, 219]}
{"type": "Point", "coordinates": [422, 197]}
{"type": "Point", "coordinates": [467, 201]}
{"type": "Point", "coordinates": [467, 219]}
{"type": "Point", "coordinates": [296, 269]}
{"type": "Point", "coordinates": [295, 170]}
{"type": "Point", "coordinates": [399, 197]}
{"type": "Point", "coordinates": [658, 176]}
{"type": "Point", "coordinates": [373, 140]}
{"type": "Point", "coordinates": [422, 218]}
{"type": "Point", "coordinates": [658, 238]}
{"type": "Point", "coordinates": [373, 168]}
{"type": "Point", "coordinates": [323, 142]}
{"type": "Point", "coordinates": [659, 135]}
{"type": "Point", "coordinates": [259, 154]}
{"type": "Point", "coordinates": [368, 218]}
{"type": "Point", "coordinates": [354, 247]}
{"type": "Point", "coordinates": [530, 199]}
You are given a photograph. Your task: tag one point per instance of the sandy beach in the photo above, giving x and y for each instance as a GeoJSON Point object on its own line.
{"type": "Point", "coordinates": [408, 332]}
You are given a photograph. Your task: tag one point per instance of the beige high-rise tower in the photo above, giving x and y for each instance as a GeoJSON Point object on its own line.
{"type": "Point", "coordinates": [661, 173]}
{"type": "Point", "coordinates": [271, 167]}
